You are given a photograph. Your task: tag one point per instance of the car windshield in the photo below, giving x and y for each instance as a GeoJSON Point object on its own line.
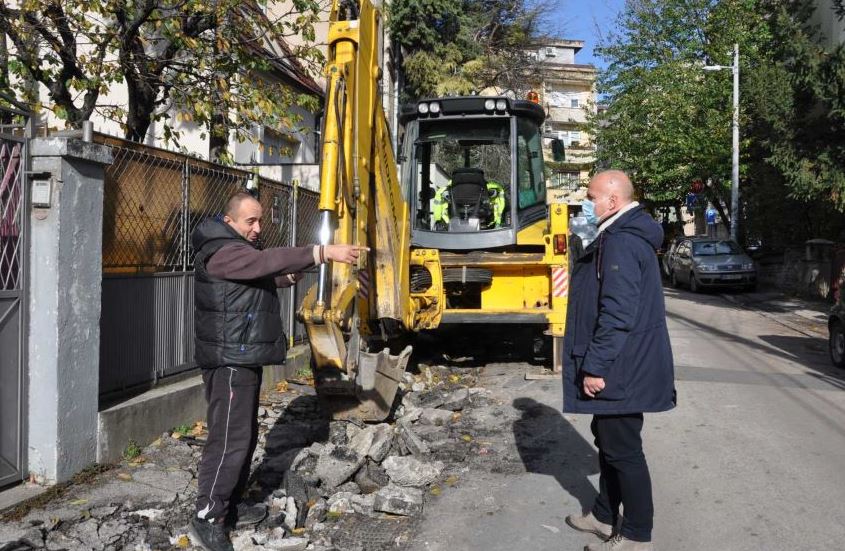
{"type": "Point", "coordinates": [712, 248]}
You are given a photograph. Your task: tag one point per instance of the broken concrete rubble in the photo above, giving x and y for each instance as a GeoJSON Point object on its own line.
{"type": "Point", "coordinates": [310, 471]}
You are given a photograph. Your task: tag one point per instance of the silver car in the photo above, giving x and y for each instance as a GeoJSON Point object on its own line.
{"type": "Point", "coordinates": [701, 262]}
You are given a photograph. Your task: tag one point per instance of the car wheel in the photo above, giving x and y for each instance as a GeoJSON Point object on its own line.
{"type": "Point", "coordinates": [693, 284]}
{"type": "Point", "coordinates": [674, 277]}
{"type": "Point", "coordinates": [837, 343]}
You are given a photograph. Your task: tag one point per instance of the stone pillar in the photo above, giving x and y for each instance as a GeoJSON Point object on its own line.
{"type": "Point", "coordinates": [64, 307]}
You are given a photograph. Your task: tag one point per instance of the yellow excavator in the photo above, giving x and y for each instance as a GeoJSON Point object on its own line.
{"type": "Point", "coordinates": [467, 233]}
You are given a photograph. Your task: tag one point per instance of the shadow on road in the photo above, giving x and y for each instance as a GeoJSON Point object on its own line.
{"type": "Point", "coordinates": [477, 345]}
{"type": "Point", "coordinates": [548, 444]}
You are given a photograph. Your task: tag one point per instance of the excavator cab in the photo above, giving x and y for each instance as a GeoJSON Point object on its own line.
{"type": "Point", "coordinates": [472, 171]}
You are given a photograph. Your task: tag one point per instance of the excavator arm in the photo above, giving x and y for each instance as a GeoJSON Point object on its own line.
{"type": "Point", "coordinates": [353, 311]}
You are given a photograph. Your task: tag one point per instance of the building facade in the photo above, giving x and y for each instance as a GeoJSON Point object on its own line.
{"type": "Point", "coordinates": [567, 91]}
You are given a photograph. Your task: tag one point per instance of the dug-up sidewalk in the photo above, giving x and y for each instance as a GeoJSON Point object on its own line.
{"type": "Point", "coordinates": [328, 485]}
{"type": "Point", "coordinates": [805, 316]}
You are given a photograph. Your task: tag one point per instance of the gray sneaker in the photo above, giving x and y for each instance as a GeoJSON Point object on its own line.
{"type": "Point", "coordinates": [620, 543]}
{"type": "Point", "coordinates": [590, 524]}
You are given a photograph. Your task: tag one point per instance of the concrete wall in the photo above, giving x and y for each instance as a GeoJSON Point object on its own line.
{"type": "Point", "coordinates": [64, 341]}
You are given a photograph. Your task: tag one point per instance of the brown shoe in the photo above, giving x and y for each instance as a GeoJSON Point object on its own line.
{"type": "Point", "coordinates": [589, 523]}
{"type": "Point", "coordinates": [620, 543]}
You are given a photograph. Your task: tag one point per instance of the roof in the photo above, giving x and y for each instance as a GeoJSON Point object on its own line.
{"type": "Point", "coordinates": [287, 65]}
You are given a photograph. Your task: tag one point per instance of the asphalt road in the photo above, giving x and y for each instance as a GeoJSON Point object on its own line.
{"type": "Point", "coordinates": [751, 459]}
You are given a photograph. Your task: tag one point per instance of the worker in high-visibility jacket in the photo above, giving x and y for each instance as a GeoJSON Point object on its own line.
{"type": "Point", "coordinates": [495, 192]}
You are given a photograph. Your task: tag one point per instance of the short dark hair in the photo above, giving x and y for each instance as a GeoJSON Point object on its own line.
{"type": "Point", "coordinates": [234, 202]}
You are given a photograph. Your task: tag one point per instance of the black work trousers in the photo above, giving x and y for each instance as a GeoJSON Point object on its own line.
{"type": "Point", "coordinates": [624, 478]}
{"type": "Point", "coordinates": [232, 396]}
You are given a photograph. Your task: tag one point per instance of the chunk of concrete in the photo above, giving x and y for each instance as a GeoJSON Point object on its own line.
{"type": "Point", "coordinates": [435, 416]}
{"type": "Point", "coordinates": [456, 400]}
{"type": "Point", "coordinates": [412, 442]}
{"type": "Point", "coordinates": [336, 465]}
{"type": "Point", "coordinates": [399, 501]}
{"type": "Point", "coordinates": [409, 471]}
{"type": "Point", "coordinates": [383, 435]}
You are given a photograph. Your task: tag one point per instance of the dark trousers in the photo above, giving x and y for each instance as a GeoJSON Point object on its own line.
{"type": "Point", "coordinates": [624, 478]}
{"type": "Point", "coordinates": [232, 396]}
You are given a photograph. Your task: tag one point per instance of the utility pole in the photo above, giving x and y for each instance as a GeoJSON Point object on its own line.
{"type": "Point", "coordinates": [734, 67]}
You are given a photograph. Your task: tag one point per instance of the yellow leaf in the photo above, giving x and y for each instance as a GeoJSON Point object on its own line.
{"type": "Point", "coordinates": [451, 480]}
{"type": "Point", "coordinates": [79, 502]}
{"type": "Point", "coordinates": [183, 542]}
{"type": "Point", "coordinates": [282, 386]}
{"type": "Point", "coordinates": [176, 435]}
{"type": "Point", "coordinates": [456, 417]}
{"type": "Point", "coordinates": [436, 491]}
{"type": "Point", "coordinates": [297, 531]}
{"type": "Point", "coordinates": [454, 378]}
{"type": "Point", "coordinates": [124, 476]}
{"type": "Point", "coordinates": [466, 438]}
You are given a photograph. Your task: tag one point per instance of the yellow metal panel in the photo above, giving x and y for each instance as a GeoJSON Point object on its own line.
{"type": "Point", "coordinates": [533, 234]}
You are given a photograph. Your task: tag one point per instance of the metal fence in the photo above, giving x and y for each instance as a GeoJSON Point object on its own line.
{"type": "Point", "coordinates": [15, 129]}
{"type": "Point", "coordinates": [153, 200]}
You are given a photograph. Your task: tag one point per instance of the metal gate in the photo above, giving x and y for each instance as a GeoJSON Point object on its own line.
{"type": "Point", "coordinates": [13, 294]}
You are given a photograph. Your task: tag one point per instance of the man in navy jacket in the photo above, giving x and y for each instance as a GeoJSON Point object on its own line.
{"type": "Point", "coordinates": [618, 359]}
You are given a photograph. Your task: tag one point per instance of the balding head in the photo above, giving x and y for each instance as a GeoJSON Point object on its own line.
{"type": "Point", "coordinates": [243, 213]}
{"type": "Point", "coordinates": [610, 191]}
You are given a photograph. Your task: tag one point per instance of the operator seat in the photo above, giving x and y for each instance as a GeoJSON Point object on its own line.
{"type": "Point", "coordinates": [469, 198]}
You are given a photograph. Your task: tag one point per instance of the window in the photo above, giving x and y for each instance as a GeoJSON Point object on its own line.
{"type": "Point", "coordinates": [574, 103]}
{"type": "Point", "coordinates": [531, 186]}
{"type": "Point", "coordinates": [575, 136]}
{"type": "Point", "coordinates": [551, 52]}
{"type": "Point", "coordinates": [569, 180]}
{"type": "Point", "coordinates": [462, 176]}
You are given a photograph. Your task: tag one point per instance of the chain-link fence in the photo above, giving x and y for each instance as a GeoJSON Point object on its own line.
{"type": "Point", "coordinates": [153, 200]}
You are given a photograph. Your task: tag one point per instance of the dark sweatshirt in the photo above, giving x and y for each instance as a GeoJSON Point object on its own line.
{"type": "Point", "coordinates": [243, 262]}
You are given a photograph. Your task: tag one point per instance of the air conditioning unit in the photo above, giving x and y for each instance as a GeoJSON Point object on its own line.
{"type": "Point", "coordinates": [551, 52]}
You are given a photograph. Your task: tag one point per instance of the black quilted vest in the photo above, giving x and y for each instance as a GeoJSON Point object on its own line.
{"type": "Point", "coordinates": [236, 323]}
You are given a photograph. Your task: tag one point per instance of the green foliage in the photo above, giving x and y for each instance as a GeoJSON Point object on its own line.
{"type": "Point", "coordinates": [209, 62]}
{"type": "Point", "coordinates": [668, 121]}
{"type": "Point", "coordinates": [184, 430]}
{"type": "Point", "coordinates": [131, 451]}
{"type": "Point", "coordinates": [463, 47]}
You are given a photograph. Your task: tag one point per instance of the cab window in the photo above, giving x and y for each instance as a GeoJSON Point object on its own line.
{"type": "Point", "coordinates": [531, 184]}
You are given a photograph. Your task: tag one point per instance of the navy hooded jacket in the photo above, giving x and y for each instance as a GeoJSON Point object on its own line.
{"type": "Point", "coordinates": [616, 323]}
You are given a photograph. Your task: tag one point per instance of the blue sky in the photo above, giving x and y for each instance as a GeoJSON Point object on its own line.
{"type": "Point", "coordinates": [584, 20]}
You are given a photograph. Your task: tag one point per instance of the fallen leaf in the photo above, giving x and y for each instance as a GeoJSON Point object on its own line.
{"type": "Point", "coordinates": [282, 386]}
{"type": "Point", "coordinates": [454, 379]}
{"type": "Point", "coordinates": [451, 480]}
{"type": "Point", "coordinates": [183, 542]}
{"type": "Point", "coordinates": [81, 501]}
{"type": "Point", "coordinates": [297, 531]}
{"type": "Point", "coordinates": [436, 491]}
{"type": "Point", "coordinates": [124, 476]}
{"type": "Point", "coordinates": [466, 438]}
{"type": "Point", "coordinates": [176, 435]}
{"type": "Point", "coordinates": [456, 417]}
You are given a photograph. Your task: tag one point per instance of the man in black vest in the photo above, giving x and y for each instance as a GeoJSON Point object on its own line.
{"type": "Point", "coordinates": [238, 329]}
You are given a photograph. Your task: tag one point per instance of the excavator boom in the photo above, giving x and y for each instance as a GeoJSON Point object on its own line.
{"type": "Point", "coordinates": [351, 309]}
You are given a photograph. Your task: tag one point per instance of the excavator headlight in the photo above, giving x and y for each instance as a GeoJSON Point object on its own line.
{"type": "Point", "coordinates": [423, 108]}
{"type": "Point", "coordinates": [434, 107]}
{"type": "Point", "coordinates": [490, 104]}
{"type": "Point", "coordinates": [501, 105]}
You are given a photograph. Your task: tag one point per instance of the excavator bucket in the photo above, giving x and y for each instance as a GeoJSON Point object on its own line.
{"type": "Point", "coordinates": [369, 395]}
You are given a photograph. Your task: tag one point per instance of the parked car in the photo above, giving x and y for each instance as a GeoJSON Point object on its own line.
{"type": "Point", "coordinates": [669, 255]}
{"type": "Point", "coordinates": [836, 328]}
{"type": "Point", "coordinates": [701, 262]}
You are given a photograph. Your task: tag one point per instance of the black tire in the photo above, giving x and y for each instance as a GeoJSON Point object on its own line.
{"type": "Point", "coordinates": [673, 277]}
{"type": "Point", "coordinates": [694, 285]}
{"type": "Point", "coordinates": [837, 343]}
